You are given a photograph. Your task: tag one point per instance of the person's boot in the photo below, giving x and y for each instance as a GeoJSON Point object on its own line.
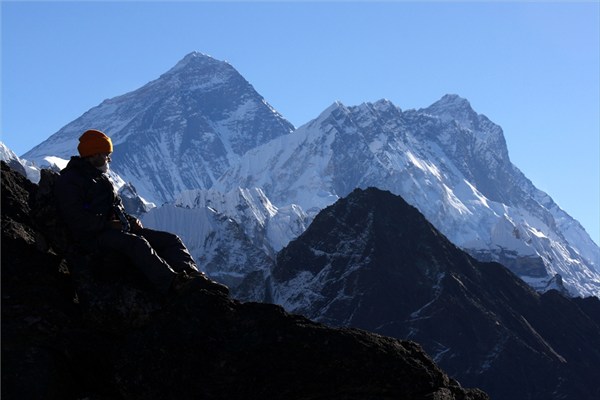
{"type": "Point", "coordinates": [207, 283]}
{"type": "Point", "coordinates": [185, 281]}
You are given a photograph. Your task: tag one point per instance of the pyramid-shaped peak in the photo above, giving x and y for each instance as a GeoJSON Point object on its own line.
{"type": "Point", "coordinates": [376, 208]}
{"type": "Point", "coordinates": [196, 60]}
{"type": "Point", "coordinates": [198, 57]}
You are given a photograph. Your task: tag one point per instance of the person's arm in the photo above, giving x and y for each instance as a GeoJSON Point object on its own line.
{"type": "Point", "coordinates": [71, 203]}
{"type": "Point", "coordinates": [135, 223]}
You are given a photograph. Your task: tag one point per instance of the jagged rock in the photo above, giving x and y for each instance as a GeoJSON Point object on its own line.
{"type": "Point", "coordinates": [198, 345]}
{"type": "Point", "coordinates": [372, 261]}
{"type": "Point", "coordinates": [36, 304]}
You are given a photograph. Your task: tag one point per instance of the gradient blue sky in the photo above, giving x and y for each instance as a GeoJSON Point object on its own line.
{"type": "Point", "coordinates": [531, 67]}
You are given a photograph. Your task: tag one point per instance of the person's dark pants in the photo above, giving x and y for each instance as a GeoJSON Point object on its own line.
{"type": "Point", "coordinates": [159, 255]}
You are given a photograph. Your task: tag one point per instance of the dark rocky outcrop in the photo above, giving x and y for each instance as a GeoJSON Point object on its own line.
{"type": "Point", "coordinates": [372, 261]}
{"type": "Point", "coordinates": [92, 329]}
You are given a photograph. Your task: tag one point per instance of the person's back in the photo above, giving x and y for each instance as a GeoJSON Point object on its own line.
{"type": "Point", "coordinates": [85, 199]}
{"type": "Point", "coordinates": [94, 214]}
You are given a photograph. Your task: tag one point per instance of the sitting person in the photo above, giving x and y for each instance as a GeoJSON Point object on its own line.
{"type": "Point", "coordinates": [95, 216]}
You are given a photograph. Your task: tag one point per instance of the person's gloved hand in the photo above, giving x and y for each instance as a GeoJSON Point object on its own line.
{"type": "Point", "coordinates": [136, 224]}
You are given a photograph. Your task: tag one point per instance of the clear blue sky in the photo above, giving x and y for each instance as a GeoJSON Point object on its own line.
{"type": "Point", "coordinates": [531, 67]}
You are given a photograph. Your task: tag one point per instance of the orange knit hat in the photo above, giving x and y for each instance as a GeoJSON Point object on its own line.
{"type": "Point", "coordinates": [94, 142]}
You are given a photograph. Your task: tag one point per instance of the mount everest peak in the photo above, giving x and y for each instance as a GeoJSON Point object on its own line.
{"type": "Point", "coordinates": [178, 132]}
{"type": "Point", "coordinates": [196, 60]}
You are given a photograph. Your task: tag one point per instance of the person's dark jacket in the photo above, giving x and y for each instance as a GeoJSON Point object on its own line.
{"type": "Point", "coordinates": [90, 206]}
{"type": "Point", "coordinates": [86, 199]}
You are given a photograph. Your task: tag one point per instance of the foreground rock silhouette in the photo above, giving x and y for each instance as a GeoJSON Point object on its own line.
{"type": "Point", "coordinates": [93, 329]}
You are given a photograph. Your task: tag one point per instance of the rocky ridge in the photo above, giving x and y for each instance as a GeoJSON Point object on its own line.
{"type": "Point", "coordinates": [92, 329]}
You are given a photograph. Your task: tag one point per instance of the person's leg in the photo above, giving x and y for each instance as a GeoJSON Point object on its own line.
{"type": "Point", "coordinates": [143, 256]}
{"type": "Point", "coordinates": [171, 249]}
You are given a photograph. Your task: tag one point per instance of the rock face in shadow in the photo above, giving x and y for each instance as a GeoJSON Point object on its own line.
{"type": "Point", "coordinates": [372, 261]}
{"type": "Point", "coordinates": [93, 329]}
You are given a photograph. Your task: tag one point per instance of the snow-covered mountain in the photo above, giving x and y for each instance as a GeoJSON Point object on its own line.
{"type": "Point", "coordinates": [179, 132]}
{"type": "Point", "coordinates": [446, 160]}
{"type": "Point", "coordinates": [24, 167]}
{"type": "Point", "coordinates": [219, 244]}
{"type": "Point", "coordinates": [270, 227]}
{"type": "Point", "coordinates": [201, 129]}
{"type": "Point", "coordinates": [230, 235]}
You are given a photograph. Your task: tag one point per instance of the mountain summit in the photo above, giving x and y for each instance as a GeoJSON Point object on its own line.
{"type": "Point", "coordinates": [178, 132]}
{"type": "Point", "coordinates": [452, 107]}
{"type": "Point", "coordinates": [449, 162]}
